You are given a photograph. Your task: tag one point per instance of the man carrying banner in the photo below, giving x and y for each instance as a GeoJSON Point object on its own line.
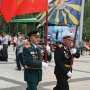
{"type": "Point", "coordinates": [63, 56]}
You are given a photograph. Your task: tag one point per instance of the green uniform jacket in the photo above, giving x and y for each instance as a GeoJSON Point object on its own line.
{"type": "Point", "coordinates": [31, 59]}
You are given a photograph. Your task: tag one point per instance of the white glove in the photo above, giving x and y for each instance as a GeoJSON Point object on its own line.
{"type": "Point", "coordinates": [44, 64]}
{"type": "Point", "coordinates": [73, 51]}
{"type": "Point", "coordinates": [1, 47]}
{"type": "Point", "coordinates": [69, 74]}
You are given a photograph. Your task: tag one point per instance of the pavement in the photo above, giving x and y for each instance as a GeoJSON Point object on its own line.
{"type": "Point", "coordinates": [11, 79]}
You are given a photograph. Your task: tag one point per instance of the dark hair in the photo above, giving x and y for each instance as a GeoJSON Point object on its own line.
{"type": "Point", "coordinates": [32, 32]}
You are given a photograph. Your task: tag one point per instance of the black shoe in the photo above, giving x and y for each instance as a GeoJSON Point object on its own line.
{"type": "Point", "coordinates": [18, 69]}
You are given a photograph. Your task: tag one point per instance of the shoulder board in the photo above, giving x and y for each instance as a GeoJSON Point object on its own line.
{"type": "Point", "coordinates": [60, 45]}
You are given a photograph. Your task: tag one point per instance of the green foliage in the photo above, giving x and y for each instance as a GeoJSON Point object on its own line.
{"type": "Point", "coordinates": [87, 20]}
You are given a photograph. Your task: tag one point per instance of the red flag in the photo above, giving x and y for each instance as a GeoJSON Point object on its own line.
{"type": "Point", "coordinates": [0, 5]}
{"type": "Point", "coordinates": [32, 6]}
{"type": "Point", "coordinates": [8, 8]}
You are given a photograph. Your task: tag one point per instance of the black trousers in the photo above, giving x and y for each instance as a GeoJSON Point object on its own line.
{"type": "Point", "coordinates": [62, 83]}
{"type": "Point", "coordinates": [19, 61]}
{"type": "Point", "coordinates": [5, 52]}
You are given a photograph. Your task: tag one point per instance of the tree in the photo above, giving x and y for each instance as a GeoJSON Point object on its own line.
{"type": "Point", "coordinates": [87, 20]}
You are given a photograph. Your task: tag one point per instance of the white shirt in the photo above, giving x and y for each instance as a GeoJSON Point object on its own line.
{"type": "Point", "coordinates": [5, 39]}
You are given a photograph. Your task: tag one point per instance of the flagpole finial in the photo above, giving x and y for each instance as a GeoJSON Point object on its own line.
{"type": "Point", "coordinates": [59, 2]}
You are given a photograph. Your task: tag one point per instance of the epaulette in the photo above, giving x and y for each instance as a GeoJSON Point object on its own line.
{"type": "Point", "coordinates": [60, 45]}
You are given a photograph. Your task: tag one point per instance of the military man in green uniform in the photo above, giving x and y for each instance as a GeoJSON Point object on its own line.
{"type": "Point", "coordinates": [63, 56]}
{"type": "Point", "coordinates": [32, 58]}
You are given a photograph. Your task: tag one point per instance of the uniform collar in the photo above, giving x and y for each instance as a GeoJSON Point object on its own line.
{"type": "Point", "coordinates": [35, 46]}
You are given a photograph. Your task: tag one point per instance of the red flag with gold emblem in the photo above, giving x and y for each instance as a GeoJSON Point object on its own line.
{"type": "Point", "coordinates": [8, 8]}
{"type": "Point", "coordinates": [32, 6]}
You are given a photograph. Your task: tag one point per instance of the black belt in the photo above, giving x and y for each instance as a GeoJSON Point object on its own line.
{"type": "Point", "coordinates": [29, 67]}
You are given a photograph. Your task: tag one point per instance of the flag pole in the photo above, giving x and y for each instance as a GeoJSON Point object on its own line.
{"type": "Point", "coordinates": [46, 37]}
{"type": "Point", "coordinates": [81, 19]}
{"type": "Point", "coordinates": [75, 36]}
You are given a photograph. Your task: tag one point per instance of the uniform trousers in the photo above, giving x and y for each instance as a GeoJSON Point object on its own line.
{"type": "Point", "coordinates": [32, 77]}
{"type": "Point", "coordinates": [62, 83]}
{"type": "Point", "coordinates": [31, 86]}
